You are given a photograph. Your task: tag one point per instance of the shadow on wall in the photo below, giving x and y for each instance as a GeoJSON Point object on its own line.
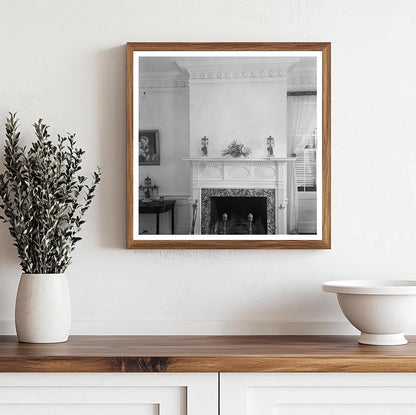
{"type": "Point", "coordinates": [10, 272]}
{"type": "Point", "coordinates": [111, 120]}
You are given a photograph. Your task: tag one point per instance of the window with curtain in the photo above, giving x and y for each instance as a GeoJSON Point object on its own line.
{"type": "Point", "coordinates": [302, 124]}
{"type": "Point", "coordinates": [305, 164]}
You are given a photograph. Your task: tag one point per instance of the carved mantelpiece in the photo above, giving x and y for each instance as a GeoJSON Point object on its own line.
{"type": "Point", "coordinates": [242, 173]}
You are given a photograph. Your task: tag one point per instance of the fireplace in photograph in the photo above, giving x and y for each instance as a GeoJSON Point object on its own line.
{"type": "Point", "coordinates": [238, 211]}
{"type": "Point", "coordinates": [238, 215]}
{"type": "Point", "coordinates": [239, 187]}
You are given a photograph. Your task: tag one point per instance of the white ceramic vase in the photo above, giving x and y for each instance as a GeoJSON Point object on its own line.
{"type": "Point", "coordinates": [43, 308]}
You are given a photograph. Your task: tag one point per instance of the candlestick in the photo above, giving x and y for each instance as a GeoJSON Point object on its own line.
{"type": "Point", "coordinates": [204, 146]}
{"type": "Point", "coordinates": [270, 145]}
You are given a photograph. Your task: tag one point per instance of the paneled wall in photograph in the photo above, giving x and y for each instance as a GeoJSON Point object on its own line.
{"type": "Point", "coordinates": [164, 105]}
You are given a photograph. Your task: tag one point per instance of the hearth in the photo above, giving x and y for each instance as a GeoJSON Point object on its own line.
{"type": "Point", "coordinates": [238, 215]}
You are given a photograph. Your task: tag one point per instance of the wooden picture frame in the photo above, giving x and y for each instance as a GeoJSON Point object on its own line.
{"type": "Point", "coordinates": [195, 65]}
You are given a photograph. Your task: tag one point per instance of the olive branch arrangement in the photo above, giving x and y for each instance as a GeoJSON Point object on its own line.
{"type": "Point", "coordinates": [44, 198]}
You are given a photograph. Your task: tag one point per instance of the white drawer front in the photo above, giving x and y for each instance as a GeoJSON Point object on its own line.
{"type": "Point", "coordinates": [320, 393]}
{"type": "Point", "coordinates": [108, 394]}
{"type": "Point", "coordinates": [75, 409]}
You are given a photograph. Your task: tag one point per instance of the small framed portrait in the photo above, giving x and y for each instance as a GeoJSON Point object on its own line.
{"type": "Point", "coordinates": [149, 149]}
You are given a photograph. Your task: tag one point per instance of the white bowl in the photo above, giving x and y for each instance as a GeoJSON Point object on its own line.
{"type": "Point", "coordinates": [381, 310]}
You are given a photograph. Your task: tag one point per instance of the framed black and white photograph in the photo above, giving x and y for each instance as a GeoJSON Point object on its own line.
{"type": "Point", "coordinates": [246, 145]}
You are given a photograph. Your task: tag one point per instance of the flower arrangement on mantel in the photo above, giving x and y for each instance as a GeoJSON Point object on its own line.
{"type": "Point", "coordinates": [236, 149]}
{"type": "Point", "coordinates": [44, 197]}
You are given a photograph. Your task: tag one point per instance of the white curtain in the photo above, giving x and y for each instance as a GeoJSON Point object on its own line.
{"type": "Point", "coordinates": [301, 123]}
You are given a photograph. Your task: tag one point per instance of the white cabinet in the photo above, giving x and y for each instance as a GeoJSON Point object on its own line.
{"type": "Point", "coordinates": [108, 394]}
{"type": "Point", "coordinates": [318, 393]}
{"type": "Point", "coordinates": [197, 393]}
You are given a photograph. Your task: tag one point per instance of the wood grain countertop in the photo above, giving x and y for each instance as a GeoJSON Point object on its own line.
{"type": "Point", "coordinates": [206, 354]}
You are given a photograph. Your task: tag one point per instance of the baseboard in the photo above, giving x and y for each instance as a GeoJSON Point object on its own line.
{"type": "Point", "coordinates": [190, 327]}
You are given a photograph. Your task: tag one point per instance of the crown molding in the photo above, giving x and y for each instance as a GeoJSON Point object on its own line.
{"type": "Point", "coordinates": [238, 75]}
{"type": "Point", "coordinates": [219, 69]}
{"type": "Point", "coordinates": [302, 80]}
{"type": "Point", "coordinates": [297, 80]}
{"type": "Point", "coordinates": [302, 76]}
{"type": "Point", "coordinates": [196, 70]}
{"type": "Point", "coordinates": [163, 81]}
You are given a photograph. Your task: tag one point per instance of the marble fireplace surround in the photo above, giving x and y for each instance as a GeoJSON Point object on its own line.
{"type": "Point", "coordinates": [217, 176]}
{"type": "Point", "coordinates": [269, 194]}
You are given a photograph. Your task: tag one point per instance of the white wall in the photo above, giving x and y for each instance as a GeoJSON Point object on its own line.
{"type": "Point", "coordinates": [168, 111]}
{"type": "Point", "coordinates": [65, 61]}
{"type": "Point", "coordinates": [246, 111]}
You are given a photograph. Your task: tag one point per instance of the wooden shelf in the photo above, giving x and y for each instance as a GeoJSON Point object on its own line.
{"type": "Point", "coordinates": [206, 354]}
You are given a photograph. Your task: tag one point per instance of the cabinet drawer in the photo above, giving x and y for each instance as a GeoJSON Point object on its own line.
{"type": "Point", "coordinates": [108, 394]}
{"type": "Point", "coordinates": [318, 393]}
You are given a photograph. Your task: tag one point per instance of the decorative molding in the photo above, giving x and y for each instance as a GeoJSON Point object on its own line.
{"type": "Point", "coordinates": [241, 69]}
{"type": "Point", "coordinates": [282, 172]}
{"type": "Point", "coordinates": [236, 172]}
{"type": "Point", "coordinates": [211, 172]}
{"type": "Point", "coordinates": [230, 75]}
{"type": "Point", "coordinates": [305, 81]}
{"type": "Point", "coordinates": [232, 70]}
{"type": "Point", "coordinates": [302, 81]}
{"type": "Point", "coordinates": [163, 81]}
{"type": "Point", "coordinates": [264, 172]}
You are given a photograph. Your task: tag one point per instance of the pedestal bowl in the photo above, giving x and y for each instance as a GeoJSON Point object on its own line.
{"type": "Point", "coordinates": [381, 309]}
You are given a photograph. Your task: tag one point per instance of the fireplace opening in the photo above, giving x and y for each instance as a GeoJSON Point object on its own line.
{"type": "Point", "coordinates": [238, 215]}
{"type": "Point", "coordinates": [237, 204]}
